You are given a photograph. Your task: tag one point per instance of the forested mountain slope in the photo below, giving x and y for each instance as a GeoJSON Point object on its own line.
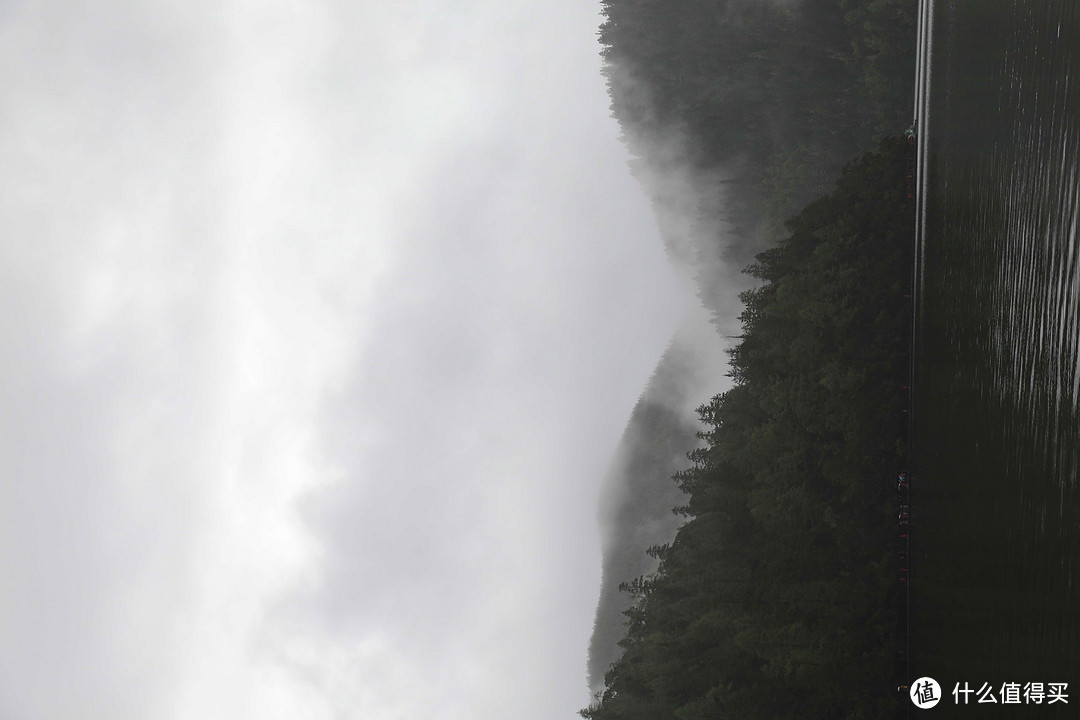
{"type": "Point", "coordinates": [738, 113]}
{"type": "Point", "coordinates": [778, 598]}
{"type": "Point", "coordinates": [760, 101]}
{"type": "Point", "coordinates": [637, 495]}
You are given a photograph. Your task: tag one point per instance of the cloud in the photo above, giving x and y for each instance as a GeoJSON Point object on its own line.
{"type": "Point", "coordinates": [321, 322]}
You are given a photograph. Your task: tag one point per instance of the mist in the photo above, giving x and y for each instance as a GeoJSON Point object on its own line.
{"type": "Point", "coordinates": [738, 114]}
{"type": "Point", "coordinates": [638, 494]}
{"type": "Point", "coordinates": [321, 322]}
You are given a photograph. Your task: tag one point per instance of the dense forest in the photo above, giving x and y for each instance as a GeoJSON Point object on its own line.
{"type": "Point", "coordinates": [766, 100]}
{"type": "Point", "coordinates": [779, 597]}
{"type": "Point", "coordinates": [637, 494]}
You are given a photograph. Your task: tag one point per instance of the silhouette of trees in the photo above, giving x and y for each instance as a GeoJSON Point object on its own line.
{"type": "Point", "coordinates": [777, 95]}
{"type": "Point", "coordinates": [777, 598]}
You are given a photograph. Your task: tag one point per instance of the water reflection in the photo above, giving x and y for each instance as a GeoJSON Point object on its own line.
{"type": "Point", "coordinates": [995, 508]}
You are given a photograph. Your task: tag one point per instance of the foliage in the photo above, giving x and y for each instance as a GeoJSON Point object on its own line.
{"type": "Point", "coordinates": [778, 598]}
{"type": "Point", "coordinates": [772, 95]}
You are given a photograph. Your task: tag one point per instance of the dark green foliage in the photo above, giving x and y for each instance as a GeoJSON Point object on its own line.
{"type": "Point", "coordinates": [773, 96]}
{"type": "Point", "coordinates": [637, 494]}
{"type": "Point", "coordinates": [653, 446]}
{"type": "Point", "coordinates": [778, 598]}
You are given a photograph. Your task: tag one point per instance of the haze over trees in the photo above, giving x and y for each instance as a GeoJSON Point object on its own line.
{"type": "Point", "coordinates": [768, 100]}
{"type": "Point", "coordinates": [778, 597]}
{"type": "Point", "coordinates": [637, 493]}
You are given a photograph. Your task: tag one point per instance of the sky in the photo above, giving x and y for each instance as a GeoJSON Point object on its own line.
{"type": "Point", "coordinates": [320, 324]}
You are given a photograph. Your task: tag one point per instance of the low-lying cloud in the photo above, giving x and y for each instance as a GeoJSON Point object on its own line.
{"type": "Point", "coordinates": [320, 323]}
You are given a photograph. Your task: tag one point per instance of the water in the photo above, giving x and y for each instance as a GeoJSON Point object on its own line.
{"type": "Point", "coordinates": [995, 561]}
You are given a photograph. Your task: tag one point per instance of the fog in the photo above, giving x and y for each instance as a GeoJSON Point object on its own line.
{"type": "Point", "coordinates": [638, 492]}
{"type": "Point", "coordinates": [321, 324]}
{"type": "Point", "coordinates": [638, 495]}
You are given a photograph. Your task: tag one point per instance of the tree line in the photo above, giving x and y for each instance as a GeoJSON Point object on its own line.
{"type": "Point", "coordinates": [772, 97]}
{"type": "Point", "coordinates": [778, 597]}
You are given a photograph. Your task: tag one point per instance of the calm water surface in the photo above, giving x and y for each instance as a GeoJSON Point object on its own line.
{"type": "Point", "coordinates": [995, 562]}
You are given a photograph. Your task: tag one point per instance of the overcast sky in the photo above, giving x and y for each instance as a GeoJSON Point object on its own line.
{"type": "Point", "coordinates": [319, 323]}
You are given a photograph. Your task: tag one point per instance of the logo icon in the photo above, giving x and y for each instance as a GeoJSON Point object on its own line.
{"type": "Point", "coordinates": [925, 693]}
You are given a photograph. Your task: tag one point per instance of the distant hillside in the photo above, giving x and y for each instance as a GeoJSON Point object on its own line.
{"type": "Point", "coordinates": [738, 114]}
{"type": "Point", "coordinates": [759, 101]}
{"type": "Point", "coordinates": [638, 494]}
{"type": "Point", "coordinates": [779, 597]}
